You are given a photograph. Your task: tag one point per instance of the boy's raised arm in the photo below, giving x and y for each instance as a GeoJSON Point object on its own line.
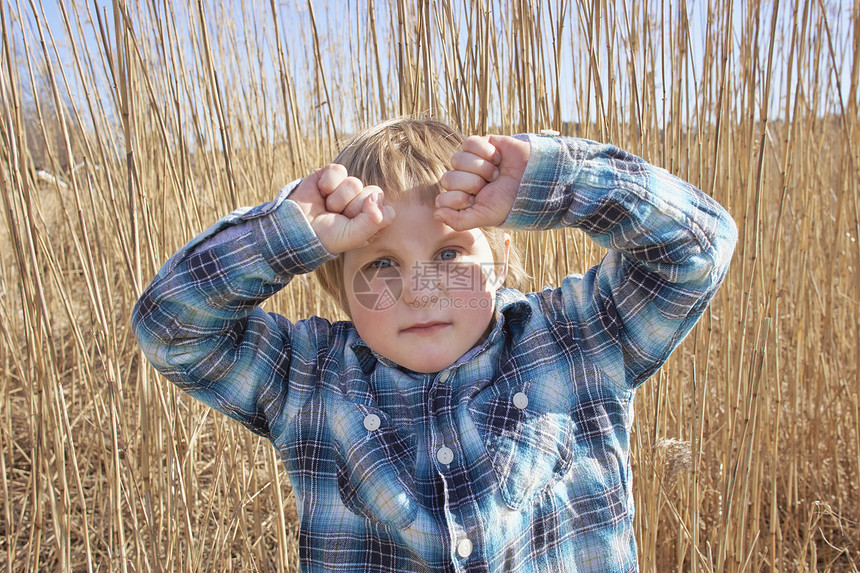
{"type": "Point", "coordinates": [670, 248]}
{"type": "Point", "coordinates": [199, 322]}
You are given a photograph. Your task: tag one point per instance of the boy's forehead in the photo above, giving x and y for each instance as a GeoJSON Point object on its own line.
{"type": "Point", "coordinates": [414, 224]}
{"type": "Point", "coordinates": [411, 214]}
{"type": "Point", "coordinates": [412, 192]}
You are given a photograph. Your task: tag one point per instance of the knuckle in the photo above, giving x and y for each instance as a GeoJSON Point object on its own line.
{"type": "Point", "coordinates": [461, 158]}
{"type": "Point", "coordinates": [446, 201]}
{"type": "Point", "coordinates": [329, 178]}
{"type": "Point", "coordinates": [477, 143]}
{"type": "Point", "coordinates": [473, 182]}
{"type": "Point", "coordinates": [353, 182]}
{"type": "Point", "coordinates": [488, 171]}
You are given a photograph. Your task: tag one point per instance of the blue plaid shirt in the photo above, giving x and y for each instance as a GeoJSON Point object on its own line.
{"type": "Point", "coordinates": [516, 457]}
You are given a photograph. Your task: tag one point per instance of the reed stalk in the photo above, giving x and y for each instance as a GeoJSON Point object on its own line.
{"type": "Point", "coordinates": [129, 127]}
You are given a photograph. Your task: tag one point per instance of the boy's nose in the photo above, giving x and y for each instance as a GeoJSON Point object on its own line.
{"type": "Point", "coordinates": [423, 284]}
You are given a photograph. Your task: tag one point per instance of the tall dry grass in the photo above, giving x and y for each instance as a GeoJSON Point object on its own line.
{"type": "Point", "coordinates": [128, 127]}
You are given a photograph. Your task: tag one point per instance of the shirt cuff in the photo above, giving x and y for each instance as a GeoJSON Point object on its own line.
{"type": "Point", "coordinates": [548, 160]}
{"type": "Point", "coordinates": [286, 239]}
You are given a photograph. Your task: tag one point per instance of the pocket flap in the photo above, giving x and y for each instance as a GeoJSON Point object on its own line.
{"type": "Point", "coordinates": [529, 448]}
{"type": "Point", "coordinates": [374, 466]}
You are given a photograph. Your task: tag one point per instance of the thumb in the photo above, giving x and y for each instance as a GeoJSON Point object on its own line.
{"type": "Point", "coordinates": [462, 219]}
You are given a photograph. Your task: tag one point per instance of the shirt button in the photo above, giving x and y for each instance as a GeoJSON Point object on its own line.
{"type": "Point", "coordinates": [371, 422]}
{"type": "Point", "coordinates": [445, 455]}
{"type": "Point", "coordinates": [521, 401]}
{"type": "Point", "coordinates": [464, 548]}
{"type": "Point", "coordinates": [444, 376]}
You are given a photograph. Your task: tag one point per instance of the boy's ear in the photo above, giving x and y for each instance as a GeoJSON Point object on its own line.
{"type": "Point", "coordinates": [504, 274]}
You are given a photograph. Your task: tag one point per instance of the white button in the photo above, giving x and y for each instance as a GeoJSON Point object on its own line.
{"type": "Point", "coordinates": [464, 548]}
{"type": "Point", "coordinates": [444, 376]}
{"type": "Point", "coordinates": [371, 422]}
{"type": "Point", "coordinates": [445, 455]}
{"type": "Point", "coordinates": [521, 401]}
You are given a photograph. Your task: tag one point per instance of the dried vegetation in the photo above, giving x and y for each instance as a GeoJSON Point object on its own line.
{"type": "Point", "coordinates": [128, 127]}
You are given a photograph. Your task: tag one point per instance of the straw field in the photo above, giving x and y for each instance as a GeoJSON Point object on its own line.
{"type": "Point", "coordinates": [130, 126]}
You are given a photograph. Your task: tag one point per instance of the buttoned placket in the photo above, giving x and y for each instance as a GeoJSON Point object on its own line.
{"type": "Point", "coordinates": [461, 502]}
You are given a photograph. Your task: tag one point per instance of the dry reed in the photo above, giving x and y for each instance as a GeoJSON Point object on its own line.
{"type": "Point", "coordinates": [128, 127]}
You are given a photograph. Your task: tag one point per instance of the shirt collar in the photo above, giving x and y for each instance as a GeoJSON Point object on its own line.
{"type": "Point", "coordinates": [512, 311]}
{"type": "Point", "coordinates": [515, 307]}
{"type": "Point", "coordinates": [366, 357]}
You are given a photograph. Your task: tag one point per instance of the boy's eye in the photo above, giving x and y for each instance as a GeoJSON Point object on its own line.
{"type": "Point", "coordinates": [449, 255]}
{"type": "Point", "coordinates": [380, 264]}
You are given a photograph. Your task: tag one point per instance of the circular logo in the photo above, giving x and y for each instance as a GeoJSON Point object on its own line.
{"type": "Point", "coordinates": [377, 288]}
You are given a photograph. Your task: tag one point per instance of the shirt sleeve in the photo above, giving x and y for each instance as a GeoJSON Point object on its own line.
{"type": "Point", "coordinates": [670, 248]}
{"type": "Point", "coordinates": [200, 324]}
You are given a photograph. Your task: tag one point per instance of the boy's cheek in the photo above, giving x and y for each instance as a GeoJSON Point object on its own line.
{"type": "Point", "coordinates": [483, 302]}
{"type": "Point", "coordinates": [471, 277]}
{"type": "Point", "coordinates": [374, 289]}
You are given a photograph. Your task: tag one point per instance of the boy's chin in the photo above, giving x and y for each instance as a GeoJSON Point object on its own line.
{"type": "Point", "coordinates": [427, 362]}
{"type": "Point", "coordinates": [429, 367]}
{"type": "Point", "coordinates": [430, 364]}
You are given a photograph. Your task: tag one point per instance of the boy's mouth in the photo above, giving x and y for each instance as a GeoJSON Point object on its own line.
{"type": "Point", "coordinates": [425, 327]}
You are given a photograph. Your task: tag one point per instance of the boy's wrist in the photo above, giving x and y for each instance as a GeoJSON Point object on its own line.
{"type": "Point", "coordinates": [529, 207]}
{"type": "Point", "coordinates": [288, 242]}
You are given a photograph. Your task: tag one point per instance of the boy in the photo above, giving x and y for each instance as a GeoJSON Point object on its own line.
{"type": "Point", "coordinates": [453, 424]}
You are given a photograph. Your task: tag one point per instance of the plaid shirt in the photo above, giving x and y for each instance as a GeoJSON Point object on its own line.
{"type": "Point", "coordinates": [516, 457]}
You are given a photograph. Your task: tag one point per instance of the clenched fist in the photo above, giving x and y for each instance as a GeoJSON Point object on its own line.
{"type": "Point", "coordinates": [343, 213]}
{"type": "Point", "coordinates": [482, 185]}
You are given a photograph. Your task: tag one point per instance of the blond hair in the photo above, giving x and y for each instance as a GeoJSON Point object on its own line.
{"type": "Point", "coordinates": [407, 157]}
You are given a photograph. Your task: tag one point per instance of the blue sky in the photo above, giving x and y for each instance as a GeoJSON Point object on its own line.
{"type": "Point", "coordinates": [336, 35]}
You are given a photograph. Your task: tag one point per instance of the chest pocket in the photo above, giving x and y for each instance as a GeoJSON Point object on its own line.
{"type": "Point", "coordinates": [531, 446]}
{"type": "Point", "coordinates": [375, 464]}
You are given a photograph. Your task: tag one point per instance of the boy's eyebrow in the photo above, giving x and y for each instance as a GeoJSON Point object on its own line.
{"type": "Point", "coordinates": [374, 250]}
{"type": "Point", "coordinates": [454, 235]}
{"type": "Point", "coordinates": [466, 233]}
{"type": "Point", "coordinates": [371, 251]}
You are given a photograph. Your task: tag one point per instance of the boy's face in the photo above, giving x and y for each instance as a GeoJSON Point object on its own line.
{"type": "Point", "coordinates": [422, 294]}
